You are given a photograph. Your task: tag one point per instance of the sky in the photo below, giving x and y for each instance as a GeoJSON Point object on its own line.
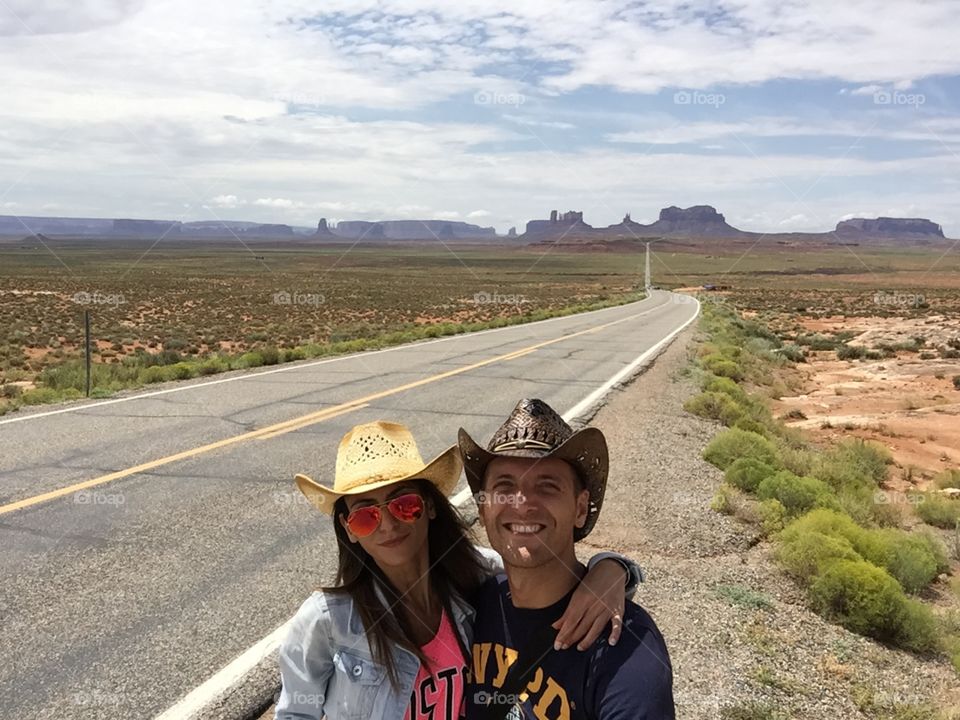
{"type": "Point", "coordinates": [785, 116]}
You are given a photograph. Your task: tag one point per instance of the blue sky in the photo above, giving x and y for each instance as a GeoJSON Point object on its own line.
{"type": "Point", "coordinates": [783, 115]}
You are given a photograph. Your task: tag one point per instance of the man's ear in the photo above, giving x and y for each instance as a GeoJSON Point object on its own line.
{"type": "Point", "coordinates": [343, 521]}
{"type": "Point", "coordinates": [583, 508]}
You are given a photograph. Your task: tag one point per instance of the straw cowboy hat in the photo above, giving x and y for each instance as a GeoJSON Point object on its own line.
{"type": "Point", "coordinates": [536, 430]}
{"type": "Point", "coordinates": [376, 454]}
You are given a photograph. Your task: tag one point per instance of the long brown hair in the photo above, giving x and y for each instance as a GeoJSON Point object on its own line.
{"type": "Point", "coordinates": [455, 567]}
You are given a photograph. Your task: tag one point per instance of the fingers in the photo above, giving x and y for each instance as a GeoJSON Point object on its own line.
{"type": "Point", "coordinates": [572, 625]}
{"type": "Point", "coordinates": [593, 633]}
{"type": "Point", "coordinates": [616, 627]}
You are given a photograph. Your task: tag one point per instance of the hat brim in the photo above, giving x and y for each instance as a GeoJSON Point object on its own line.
{"type": "Point", "coordinates": [586, 450]}
{"type": "Point", "coordinates": [443, 471]}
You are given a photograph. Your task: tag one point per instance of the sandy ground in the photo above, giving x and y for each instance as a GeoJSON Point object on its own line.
{"type": "Point", "coordinates": [907, 404]}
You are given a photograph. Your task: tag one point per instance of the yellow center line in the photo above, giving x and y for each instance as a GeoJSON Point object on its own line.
{"type": "Point", "coordinates": [295, 423]}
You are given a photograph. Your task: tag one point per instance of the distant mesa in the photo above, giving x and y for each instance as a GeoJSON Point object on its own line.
{"type": "Point", "coordinates": [696, 221]}
{"type": "Point", "coordinates": [889, 227]}
{"type": "Point", "coordinates": [559, 224]}
{"type": "Point", "coordinates": [413, 230]}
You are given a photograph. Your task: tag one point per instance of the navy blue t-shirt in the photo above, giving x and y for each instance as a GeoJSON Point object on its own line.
{"type": "Point", "coordinates": [630, 680]}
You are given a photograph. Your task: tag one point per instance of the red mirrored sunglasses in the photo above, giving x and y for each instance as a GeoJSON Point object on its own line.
{"type": "Point", "coordinates": [365, 520]}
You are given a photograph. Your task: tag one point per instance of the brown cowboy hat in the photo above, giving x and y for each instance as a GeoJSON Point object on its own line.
{"type": "Point", "coordinates": [536, 430]}
{"type": "Point", "coordinates": [376, 454]}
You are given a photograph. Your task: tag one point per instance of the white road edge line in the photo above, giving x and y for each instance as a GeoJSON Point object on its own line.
{"type": "Point", "coordinates": [301, 365]}
{"type": "Point", "coordinates": [203, 695]}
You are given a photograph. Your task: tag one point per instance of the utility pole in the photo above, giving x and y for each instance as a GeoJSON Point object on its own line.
{"type": "Point", "coordinates": [646, 274]}
{"type": "Point", "coordinates": [86, 332]}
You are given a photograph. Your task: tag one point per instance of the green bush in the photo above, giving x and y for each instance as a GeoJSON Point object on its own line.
{"type": "Point", "coordinates": [212, 366]}
{"type": "Point", "coordinates": [911, 559]}
{"type": "Point", "coordinates": [947, 479]}
{"type": "Point", "coordinates": [851, 352]}
{"type": "Point", "coordinates": [853, 461]}
{"type": "Point", "coordinates": [725, 385]}
{"type": "Point", "coordinates": [182, 371]}
{"type": "Point", "coordinates": [39, 396]}
{"type": "Point", "coordinates": [939, 511]}
{"type": "Point", "coordinates": [733, 444]}
{"type": "Point", "coordinates": [270, 355]}
{"type": "Point", "coordinates": [250, 360]}
{"type": "Point", "coordinates": [715, 406]}
{"type": "Point", "coordinates": [797, 494]}
{"type": "Point", "coordinates": [793, 353]}
{"type": "Point", "coordinates": [918, 629]}
{"type": "Point", "coordinates": [804, 556]}
{"type": "Point", "coordinates": [154, 374]}
{"type": "Point", "coordinates": [746, 473]}
{"type": "Point", "coordinates": [719, 365]}
{"type": "Point", "coordinates": [773, 516]}
{"type": "Point", "coordinates": [861, 597]}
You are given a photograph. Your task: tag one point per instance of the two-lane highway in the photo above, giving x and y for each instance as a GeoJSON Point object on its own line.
{"type": "Point", "coordinates": [150, 539]}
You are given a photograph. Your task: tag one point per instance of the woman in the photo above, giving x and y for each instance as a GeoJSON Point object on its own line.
{"type": "Point", "coordinates": [390, 640]}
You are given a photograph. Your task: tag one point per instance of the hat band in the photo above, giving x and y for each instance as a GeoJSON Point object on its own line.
{"type": "Point", "coordinates": [522, 444]}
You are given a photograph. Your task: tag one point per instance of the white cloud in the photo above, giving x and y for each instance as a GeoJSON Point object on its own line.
{"type": "Point", "coordinates": [227, 201]}
{"type": "Point", "coordinates": [477, 214]}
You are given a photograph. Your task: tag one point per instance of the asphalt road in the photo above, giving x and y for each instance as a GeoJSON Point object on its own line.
{"type": "Point", "coordinates": [149, 541]}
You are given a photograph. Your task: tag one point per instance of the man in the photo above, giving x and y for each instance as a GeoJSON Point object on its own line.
{"type": "Point", "coordinates": [539, 487]}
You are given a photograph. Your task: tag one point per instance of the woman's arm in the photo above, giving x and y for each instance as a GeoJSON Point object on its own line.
{"type": "Point", "coordinates": [306, 662]}
{"type": "Point", "coordinates": [600, 598]}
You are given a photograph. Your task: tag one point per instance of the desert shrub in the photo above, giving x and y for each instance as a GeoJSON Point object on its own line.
{"type": "Point", "coordinates": [733, 443]}
{"type": "Point", "coordinates": [182, 371]}
{"type": "Point", "coordinates": [292, 354]}
{"type": "Point", "coordinates": [793, 353]}
{"type": "Point", "coordinates": [912, 559]}
{"type": "Point", "coordinates": [39, 396]}
{"type": "Point", "coordinates": [212, 366]}
{"type": "Point", "coordinates": [269, 355]}
{"type": "Point", "coordinates": [746, 473]}
{"type": "Point", "coordinates": [853, 461]}
{"type": "Point", "coordinates": [723, 367]}
{"type": "Point", "coordinates": [154, 374]}
{"type": "Point", "coordinates": [250, 359]}
{"type": "Point", "coordinates": [956, 382]}
{"type": "Point", "coordinates": [947, 479]}
{"type": "Point", "coordinates": [851, 352]}
{"type": "Point", "coordinates": [797, 494]}
{"type": "Point", "coordinates": [713, 383]}
{"type": "Point", "coordinates": [939, 511]}
{"type": "Point", "coordinates": [867, 505]}
{"type": "Point", "coordinates": [714, 405]}
{"type": "Point", "coordinates": [805, 555]}
{"type": "Point", "coordinates": [773, 516]}
{"type": "Point", "coordinates": [860, 596]}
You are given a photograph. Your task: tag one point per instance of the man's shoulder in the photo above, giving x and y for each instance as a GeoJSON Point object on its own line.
{"type": "Point", "coordinates": [489, 590]}
{"type": "Point", "coordinates": [641, 641]}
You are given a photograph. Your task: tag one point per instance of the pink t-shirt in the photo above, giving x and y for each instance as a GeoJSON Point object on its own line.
{"type": "Point", "coordinates": [438, 689]}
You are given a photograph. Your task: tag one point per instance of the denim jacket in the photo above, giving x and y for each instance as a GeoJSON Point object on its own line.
{"type": "Point", "coordinates": [327, 665]}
